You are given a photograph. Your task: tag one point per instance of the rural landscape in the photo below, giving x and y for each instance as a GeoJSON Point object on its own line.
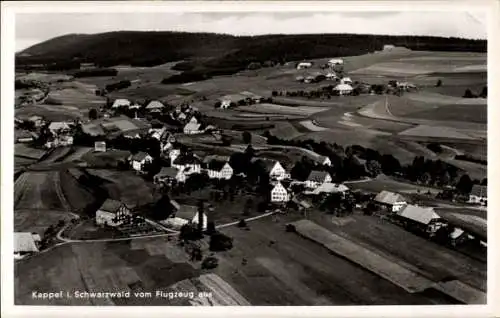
{"type": "Point", "coordinates": [200, 169]}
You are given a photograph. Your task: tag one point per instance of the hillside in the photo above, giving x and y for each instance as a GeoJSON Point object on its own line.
{"type": "Point", "coordinates": [207, 52]}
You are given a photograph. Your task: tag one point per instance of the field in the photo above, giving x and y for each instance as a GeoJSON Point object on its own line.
{"type": "Point", "coordinates": [386, 183]}
{"type": "Point", "coordinates": [22, 150]}
{"type": "Point", "coordinates": [265, 108]}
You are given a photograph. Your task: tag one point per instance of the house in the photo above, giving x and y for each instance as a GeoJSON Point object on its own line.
{"type": "Point", "coordinates": [423, 219]}
{"type": "Point", "coordinates": [336, 61]}
{"type": "Point", "coordinates": [279, 193]}
{"type": "Point", "coordinates": [192, 128]}
{"type": "Point", "coordinates": [26, 243]}
{"type": "Point", "coordinates": [299, 78]}
{"type": "Point", "coordinates": [324, 161]}
{"type": "Point", "coordinates": [275, 169]}
{"type": "Point", "coordinates": [343, 89]}
{"type": "Point", "coordinates": [158, 133]}
{"type": "Point", "coordinates": [193, 120]}
{"type": "Point", "coordinates": [303, 65]}
{"type": "Point", "coordinates": [60, 141]}
{"type": "Point", "coordinates": [232, 100]}
{"type": "Point", "coordinates": [253, 97]}
{"type": "Point", "coordinates": [187, 214]}
{"type": "Point", "coordinates": [168, 175]}
{"type": "Point", "coordinates": [388, 47]}
{"type": "Point", "coordinates": [329, 187]}
{"type": "Point", "coordinates": [139, 160]}
{"type": "Point", "coordinates": [189, 164]}
{"type": "Point", "coordinates": [100, 146]}
{"type": "Point", "coordinates": [309, 79]}
{"type": "Point", "coordinates": [393, 202]}
{"type": "Point", "coordinates": [59, 127]}
{"type": "Point", "coordinates": [135, 106]}
{"type": "Point", "coordinates": [331, 76]}
{"type": "Point", "coordinates": [458, 236]}
{"type": "Point", "coordinates": [317, 178]}
{"type": "Point", "coordinates": [154, 106]}
{"type": "Point", "coordinates": [121, 102]}
{"type": "Point", "coordinates": [173, 154]}
{"type": "Point", "coordinates": [346, 80]}
{"type": "Point", "coordinates": [219, 170]}
{"type": "Point", "coordinates": [112, 213]}
{"type": "Point", "coordinates": [479, 194]}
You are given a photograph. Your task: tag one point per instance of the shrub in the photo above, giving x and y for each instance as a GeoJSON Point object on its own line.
{"type": "Point", "coordinates": [210, 263]}
{"type": "Point", "coordinates": [242, 223]}
{"type": "Point", "coordinates": [439, 83]}
{"type": "Point", "coordinates": [220, 242]}
{"type": "Point", "coordinates": [290, 228]}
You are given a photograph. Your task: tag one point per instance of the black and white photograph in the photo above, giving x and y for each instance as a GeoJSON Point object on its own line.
{"type": "Point", "coordinates": [223, 156]}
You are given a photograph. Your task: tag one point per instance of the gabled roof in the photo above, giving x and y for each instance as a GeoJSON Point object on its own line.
{"type": "Point", "coordinates": [167, 172]}
{"type": "Point", "coordinates": [457, 232]}
{"type": "Point", "coordinates": [192, 126]}
{"type": "Point", "coordinates": [111, 205]}
{"type": "Point", "coordinates": [418, 214]}
{"type": "Point", "coordinates": [155, 105]}
{"type": "Point", "coordinates": [278, 185]}
{"type": "Point", "coordinates": [387, 197]}
{"type": "Point", "coordinates": [120, 102]}
{"type": "Point", "coordinates": [329, 187]}
{"type": "Point", "coordinates": [25, 242]}
{"type": "Point", "coordinates": [317, 176]}
{"type": "Point", "coordinates": [479, 190]}
{"type": "Point", "coordinates": [57, 125]}
{"type": "Point", "coordinates": [322, 159]}
{"type": "Point", "coordinates": [140, 156]}
{"type": "Point", "coordinates": [187, 212]}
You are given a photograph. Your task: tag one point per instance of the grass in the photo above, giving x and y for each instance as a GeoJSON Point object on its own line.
{"type": "Point", "coordinates": [386, 183]}
{"type": "Point", "coordinates": [23, 150]}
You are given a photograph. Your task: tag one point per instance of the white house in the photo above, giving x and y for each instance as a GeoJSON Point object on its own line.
{"type": "Point", "coordinates": [139, 160]}
{"type": "Point", "coordinates": [59, 127]}
{"type": "Point", "coordinates": [388, 47]}
{"type": "Point", "coordinates": [304, 65]}
{"type": "Point", "coordinates": [478, 194]}
{"type": "Point", "coordinates": [390, 200]}
{"type": "Point", "coordinates": [346, 80]}
{"type": "Point", "coordinates": [324, 161]}
{"type": "Point", "coordinates": [186, 214]}
{"type": "Point", "coordinates": [169, 174]}
{"type": "Point", "coordinates": [331, 76]}
{"type": "Point", "coordinates": [121, 102]}
{"type": "Point", "coordinates": [60, 141]}
{"type": "Point", "coordinates": [279, 193]}
{"type": "Point", "coordinates": [100, 146]}
{"type": "Point", "coordinates": [154, 106]}
{"type": "Point", "coordinates": [276, 170]}
{"type": "Point", "coordinates": [232, 100]}
{"type": "Point", "coordinates": [219, 170]}
{"type": "Point", "coordinates": [336, 61]}
{"type": "Point", "coordinates": [173, 154]}
{"type": "Point", "coordinates": [192, 129]}
{"type": "Point", "coordinates": [316, 178]}
{"type": "Point", "coordinates": [343, 89]}
{"type": "Point", "coordinates": [112, 213]}
{"type": "Point", "coordinates": [26, 243]}
{"type": "Point", "coordinates": [187, 164]}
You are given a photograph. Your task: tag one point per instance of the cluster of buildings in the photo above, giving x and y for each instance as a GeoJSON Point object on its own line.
{"type": "Point", "coordinates": [240, 99]}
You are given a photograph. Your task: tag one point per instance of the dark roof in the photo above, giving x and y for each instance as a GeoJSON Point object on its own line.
{"type": "Point", "coordinates": [216, 165]}
{"type": "Point", "coordinates": [139, 156]}
{"type": "Point", "coordinates": [111, 205]}
{"type": "Point", "coordinates": [167, 172]}
{"type": "Point", "coordinates": [317, 176]}
{"type": "Point", "coordinates": [479, 190]}
{"type": "Point", "coordinates": [187, 212]}
{"type": "Point", "coordinates": [185, 160]}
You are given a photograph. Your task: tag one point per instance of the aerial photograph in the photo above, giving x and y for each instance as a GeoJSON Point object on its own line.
{"type": "Point", "coordinates": [247, 158]}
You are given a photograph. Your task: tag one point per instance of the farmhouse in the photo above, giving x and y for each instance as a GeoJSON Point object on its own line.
{"type": "Point", "coordinates": [100, 146]}
{"type": "Point", "coordinates": [187, 214]}
{"type": "Point", "coordinates": [393, 202]}
{"type": "Point", "coordinates": [303, 65]}
{"type": "Point", "coordinates": [279, 193]}
{"type": "Point", "coordinates": [232, 100]}
{"type": "Point", "coordinates": [139, 160]}
{"type": "Point", "coordinates": [336, 61]}
{"type": "Point", "coordinates": [420, 218]}
{"type": "Point", "coordinates": [317, 178]}
{"type": "Point", "coordinates": [112, 213]}
{"type": "Point", "coordinates": [219, 170]}
{"type": "Point", "coordinates": [189, 164]}
{"type": "Point", "coordinates": [168, 175]}
{"type": "Point", "coordinates": [329, 187]}
{"type": "Point", "coordinates": [458, 236]}
{"type": "Point", "coordinates": [192, 128]}
{"type": "Point", "coordinates": [154, 106]}
{"type": "Point", "coordinates": [343, 89]}
{"type": "Point", "coordinates": [26, 243]}
{"type": "Point", "coordinates": [331, 76]}
{"type": "Point", "coordinates": [275, 169]}
{"type": "Point", "coordinates": [121, 102]}
{"type": "Point", "coordinates": [478, 194]}
{"type": "Point", "coordinates": [388, 47]}
{"type": "Point", "coordinates": [324, 161]}
{"type": "Point", "coordinates": [346, 80]}
{"type": "Point", "coordinates": [253, 97]}
{"type": "Point", "coordinates": [60, 127]}
{"type": "Point", "coordinates": [158, 133]}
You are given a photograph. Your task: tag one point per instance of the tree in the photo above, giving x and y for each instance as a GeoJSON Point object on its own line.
{"type": "Point", "coordinates": [247, 137]}
{"type": "Point", "coordinates": [464, 185]}
{"type": "Point", "coordinates": [209, 263]}
{"type": "Point", "coordinates": [247, 207]}
{"type": "Point", "coordinates": [226, 140]}
{"type": "Point", "coordinates": [201, 213]}
{"type": "Point", "coordinates": [92, 114]}
{"type": "Point", "coordinates": [210, 227]}
{"type": "Point", "coordinates": [188, 233]}
{"type": "Point", "coordinates": [220, 242]}
{"type": "Point", "coordinates": [275, 93]}
{"type": "Point", "coordinates": [374, 168]}
{"type": "Point", "coordinates": [484, 92]}
{"type": "Point", "coordinates": [468, 94]}
{"type": "Point", "coordinates": [439, 83]}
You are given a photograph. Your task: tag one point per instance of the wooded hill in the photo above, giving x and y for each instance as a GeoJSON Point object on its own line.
{"type": "Point", "coordinates": [211, 54]}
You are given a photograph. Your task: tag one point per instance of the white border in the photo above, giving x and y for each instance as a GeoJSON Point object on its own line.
{"type": "Point", "coordinates": [7, 96]}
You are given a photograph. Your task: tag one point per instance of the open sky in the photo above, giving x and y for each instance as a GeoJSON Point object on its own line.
{"type": "Point", "coordinates": [32, 28]}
